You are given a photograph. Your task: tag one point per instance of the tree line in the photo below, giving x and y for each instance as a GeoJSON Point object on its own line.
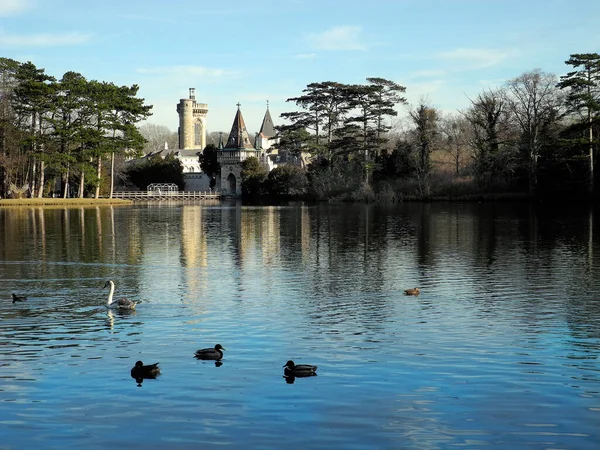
{"type": "Point", "coordinates": [536, 135]}
{"type": "Point", "coordinates": [61, 132]}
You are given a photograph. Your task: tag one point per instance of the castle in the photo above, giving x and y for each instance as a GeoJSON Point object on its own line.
{"type": "Point", "coordinates": [231, 154]}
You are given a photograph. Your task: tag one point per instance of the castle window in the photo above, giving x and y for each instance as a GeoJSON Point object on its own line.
{"type": "Point", "coordinates": [198, 133]}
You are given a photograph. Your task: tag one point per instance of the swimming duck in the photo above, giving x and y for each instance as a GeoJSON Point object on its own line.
{"type": "Point", "coordinates": [18, 298]}
{"type": "Point", "coordinates": [122, 303]}
{"type": "Point", "coordinates": [414, 291]}
{"type": "Point", "coordinates": [211, 353]}
{"type": "Point", "coordinates": [299, 370]}
{"type": "Point", "coordinates": [140, 371]}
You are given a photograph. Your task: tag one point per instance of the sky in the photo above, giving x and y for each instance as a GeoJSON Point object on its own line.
{"type": "Point", "coordinates": [444, 52]}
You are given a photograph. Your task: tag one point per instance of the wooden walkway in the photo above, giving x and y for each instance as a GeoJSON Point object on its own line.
{"type": "Point", "coordinates": [179, 195]}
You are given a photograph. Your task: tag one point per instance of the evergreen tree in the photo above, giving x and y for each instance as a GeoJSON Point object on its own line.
{"type": "Point", "coordinates": [254, 175]}
{"type": "Point", "coordinates": [426, 120]}
{"type": "Point", "coordinates": [324, 105]}
{"type": "Point", "coordinates": [292, 142]}
{"type": "Point", "coordinates": [287, 180]}
{"type": "Point", "coordinates": [123, 110]}
{"type": "Point", "coordinates": [157, 170]}
{"type": "Point", "coordinates": [209, 163]}
{"type": "Point", "coordinates": [388, 95]}
{"type": "Point", "coordinates": [369, 105]}
{"type": "Point", "coordinates": [68, 125]}
{"type": "Point", "coordinates": [8, 130]}
{"type": "Point", "coordinates": [32, 99]}
{"type": "Point", "coordinates": [359, 124]}
{"type": "Point", "coordinates": [583, 98]}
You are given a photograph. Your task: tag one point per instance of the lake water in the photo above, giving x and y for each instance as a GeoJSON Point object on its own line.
{"type": "Point", "coordinates": [500, 350]}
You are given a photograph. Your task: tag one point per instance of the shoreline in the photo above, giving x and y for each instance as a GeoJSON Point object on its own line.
{"type": "Point", "coordinates": [64, 202]}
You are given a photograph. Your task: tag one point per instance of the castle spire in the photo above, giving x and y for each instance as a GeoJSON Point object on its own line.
{"type": "Point", "coordinates": [267, 129]}
{"type": "Point", "coordinates": [238, 137]}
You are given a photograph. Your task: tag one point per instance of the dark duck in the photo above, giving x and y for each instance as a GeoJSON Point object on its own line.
{"type": "Point", "coordinates": [298, 370]}
{"type": "Point", "coordinates": [140, 371]}
{"type": "Point", "coordinates": [215, 353]}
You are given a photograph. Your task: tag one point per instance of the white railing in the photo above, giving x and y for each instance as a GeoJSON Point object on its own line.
{"type": "Point", "coordinates": [179, 195]}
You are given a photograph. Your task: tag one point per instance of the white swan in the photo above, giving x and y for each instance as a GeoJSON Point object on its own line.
{"type": "Point", "coordinates": [122, 303]}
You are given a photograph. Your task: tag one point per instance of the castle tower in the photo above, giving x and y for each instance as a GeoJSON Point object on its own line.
{"type": "Point", "coordinates": [238, 137]}
{"type": "Point", "coordinates": [237, 148]}
{"type": "Point", "coordinates": [267, 132]}
{"type": "Point", "coordinates": [266, 141]}
{"type": "Point", "coordinates": [192, 123]}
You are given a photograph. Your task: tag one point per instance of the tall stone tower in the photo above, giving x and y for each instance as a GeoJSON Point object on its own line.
{"type": "Point", "coordinates": [192, 123]}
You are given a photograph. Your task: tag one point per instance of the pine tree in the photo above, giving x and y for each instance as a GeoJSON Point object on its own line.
{"type": "Point", "coordinates": [583, 98]}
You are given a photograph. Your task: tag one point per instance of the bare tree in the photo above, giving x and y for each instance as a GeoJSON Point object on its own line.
{"type": "Point", "coordinates": [534, 102]}
{"type": "Point", "coordinates": [214, 137]}
{"type": "Point", "coordinates": [455, 140]}
{"type": "Point", "coordinates": [491, 132]}
{"type": "Point", "coordinates": [156, 136]}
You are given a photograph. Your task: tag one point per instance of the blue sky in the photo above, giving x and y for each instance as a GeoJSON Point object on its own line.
{"type": "Point", "coordinates": [253, 51]}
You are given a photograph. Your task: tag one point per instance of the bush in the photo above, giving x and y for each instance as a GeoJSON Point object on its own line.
{"type": "Point", "coordinates": [253, 177]}
{"type": "Point", "coordinates": [157, 170]}
{"type": "Point", "coordinates": [287, 180]}
{"type": "Point", "coordinates": [332, 182]}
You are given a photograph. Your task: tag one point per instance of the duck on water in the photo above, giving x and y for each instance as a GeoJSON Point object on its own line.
{"type": "Point", "coordinates": [215, 353]}
{"type": "Point", "coordinates": [299, 370]}
{"type": "Point", "coordinates": [141, 371]}
{"type": "Point", "coordinates": [18, 298]}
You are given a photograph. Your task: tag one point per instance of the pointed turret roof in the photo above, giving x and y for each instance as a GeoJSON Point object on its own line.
{"type": "Point", "coordinates": [238, 137]}
{"type": "Point", "coordinates": [267, 129]}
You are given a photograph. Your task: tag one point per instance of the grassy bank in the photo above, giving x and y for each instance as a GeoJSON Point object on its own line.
{"type": "Point", "coordinates": [63, 202]}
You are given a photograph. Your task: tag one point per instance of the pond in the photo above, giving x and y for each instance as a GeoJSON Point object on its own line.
{"type": "Point", "coordinates": [500, 349]}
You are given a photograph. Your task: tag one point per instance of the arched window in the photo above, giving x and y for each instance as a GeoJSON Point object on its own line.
{"type": "Point", "coordinates": [198, 133]}
{"type": "Point", "coordinates": [231, 183]}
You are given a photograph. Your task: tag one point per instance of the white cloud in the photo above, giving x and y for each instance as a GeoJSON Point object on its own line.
{"type": "Point", "coordinates": [187, 70]}
{"type": "Point", "coordinates": [492, 82]}
{"type": "Point", "coordinates": [427, 73]}
{"type": "Point", "coordinates": [43, 39]}
{"type": "Point", "coordinates": [306, 56]}
{"type": "Point", "coordinates": [337, 38]}
{"type": "Point", "coordinates": [475, 57]}
{"type": "Point", "coordinates": [12, 7]}
{"type": "Point", "coordinates": [417, 92]}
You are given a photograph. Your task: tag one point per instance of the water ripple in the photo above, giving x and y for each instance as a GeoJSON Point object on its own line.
{"type": "Point", "coordinates": [500, 349]}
